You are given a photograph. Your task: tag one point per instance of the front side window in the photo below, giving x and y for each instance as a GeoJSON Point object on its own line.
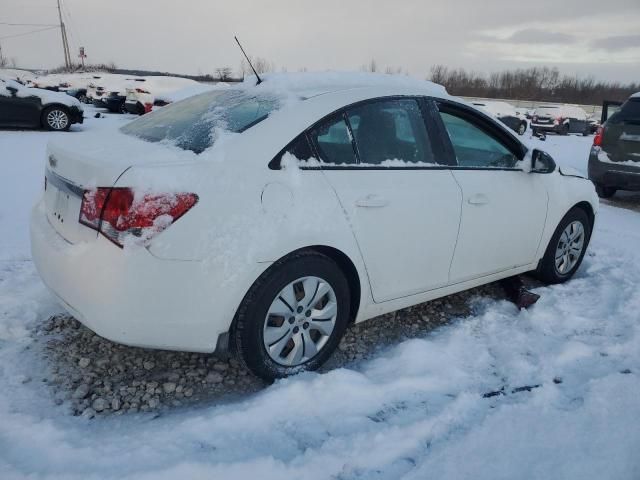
{"type": "Point", "coordinates": [474, 147]}
{"type": "Point", "coordinates": [333, 142]}
{"type": "Point", "coordinates": [390, 132]}
{"type": "Point", "coordinates": [192, 124]}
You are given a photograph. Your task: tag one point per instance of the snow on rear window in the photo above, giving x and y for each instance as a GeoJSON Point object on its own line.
{"type": "Point", "coordinates": [192, 124]}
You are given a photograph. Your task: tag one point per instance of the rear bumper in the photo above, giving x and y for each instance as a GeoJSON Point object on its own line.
{"type": "Point", "coordinates": [608, 174]}
{"type": "Point", "coordinates": [130, 296]}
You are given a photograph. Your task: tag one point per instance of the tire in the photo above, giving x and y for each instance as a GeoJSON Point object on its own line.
{"type": "Point", "coordinates": [258, 316]}
{"type": "Point", "coordinates": [548, 270]}
{"type": "Point", "coordinates": [605, 192]}
{"type": "Point", "coordinates": [564, 130]}
{"type": "Point", "coordinates": [56, 118]}
{"type": "Point", "coordinates": [522, 128]}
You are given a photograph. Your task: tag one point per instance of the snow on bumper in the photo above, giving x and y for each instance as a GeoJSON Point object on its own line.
{"type": "Point", "coordinates": [130, 296]}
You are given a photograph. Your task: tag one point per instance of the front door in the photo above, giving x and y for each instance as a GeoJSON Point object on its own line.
{"type": "Point", "coordinates": [504, 209]}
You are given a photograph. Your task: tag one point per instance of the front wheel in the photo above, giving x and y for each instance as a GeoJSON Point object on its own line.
{"type": "Point", "coordinates": [522, 128]}
{"type": "Point", "coordinates": [566, 248]}
{"type": "Point", "coordinates": [56, 118]}
{"type": "Point", "coordinates": [293, 317]}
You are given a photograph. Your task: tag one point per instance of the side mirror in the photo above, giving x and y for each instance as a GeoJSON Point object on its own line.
{"type": "Point", "coordinates": [13, 90]}
{"type": "Point", "coordinates": [541, 162]}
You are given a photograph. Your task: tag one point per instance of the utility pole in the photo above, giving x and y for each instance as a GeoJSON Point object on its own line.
{"type": "Point", "coordinates": [65, 43]}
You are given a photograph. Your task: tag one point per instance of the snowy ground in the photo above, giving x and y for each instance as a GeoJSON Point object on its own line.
{"type": "Point", "coordinates": [417, 410]}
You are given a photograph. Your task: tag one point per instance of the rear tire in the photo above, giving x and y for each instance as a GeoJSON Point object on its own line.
{"type": "Point", "coordinates": [313, 287]}
{"type": "Point", "coordinates": [564, 129]}
{"type": "Point", "coordinates": [566, 248]}
{"type": "Point", "coordinates": [56, 118]}
{"type": "Point", "coordinates": [605, 192]}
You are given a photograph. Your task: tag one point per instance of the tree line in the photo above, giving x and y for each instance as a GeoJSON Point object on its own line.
{"type": "Point", "coordinates": [541, 84]}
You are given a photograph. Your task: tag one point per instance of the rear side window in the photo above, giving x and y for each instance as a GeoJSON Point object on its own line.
{"type": "Point", "coordinates": [473, 146]}
{"type": "Point", "coordinates": [631, 111]}
{"type": "Point", "coordinates": [389, 132]}
{"type": "Point", "coordinates": [332, 139]}
{"type": "Point", "coordinates": [298, 150]}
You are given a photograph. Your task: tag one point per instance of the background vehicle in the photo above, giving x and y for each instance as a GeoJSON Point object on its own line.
{"type": "Point", "coordinates": [158, 90]}
{"type": "Point", "coordinates": [345, 197]}
{"type": "Point", "coordinates": [614, 161]}
{"type": "Point", "coordinates": [31, 107]}
{"type": "Point", "coordinates": [79, 93]}
{"type": "Point", "coordinates": [506, 113]}
{"type": "Point", "coordinates": [562, 119]}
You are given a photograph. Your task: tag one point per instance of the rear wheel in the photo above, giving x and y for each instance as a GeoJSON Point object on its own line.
{"type": "Point", "coordinates": [566, 249]}
{"type": "Point", "coordinates": [605, 192]}
{"type": "Point", "coordinates": [293, 317]}
{"type": "Point", "coordinates": [56, 118]}
{"type": "Point", "coordinates": [564, 129]}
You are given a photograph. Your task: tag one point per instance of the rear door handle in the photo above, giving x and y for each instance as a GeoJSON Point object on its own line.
{"type": "Point", "coordinates": [372, 201]}
{"type": "Point", "coordinates": [478, 199]}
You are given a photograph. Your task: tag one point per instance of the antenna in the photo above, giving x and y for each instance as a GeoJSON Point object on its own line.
{"type": "Point", "coordinates": [248, 61]}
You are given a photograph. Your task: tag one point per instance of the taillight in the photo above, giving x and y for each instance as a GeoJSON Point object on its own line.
{"type": "Point", "coordinates": [119, 214]}
{"type": "Point", "coordinates": [597, 140]}
{"type": "Point", "coordinates": [140, 90]}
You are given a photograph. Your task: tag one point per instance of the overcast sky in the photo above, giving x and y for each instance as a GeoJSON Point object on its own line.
{"type": "Point", "coordinates": [586, 37]}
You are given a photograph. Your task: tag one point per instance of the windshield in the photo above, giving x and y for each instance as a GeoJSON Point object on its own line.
{"type": "Point", "coordinates": [191, 124]}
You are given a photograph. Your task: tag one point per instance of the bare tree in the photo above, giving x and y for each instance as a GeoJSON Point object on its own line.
{"type": "Point", "coordinates": [262, 65]}
{"type": "Point", "coordinates": [372, 66]}
{"type": "Point", "coordinates": [223, 73]}
{"type": "Point", "coordinates": [4, 61]}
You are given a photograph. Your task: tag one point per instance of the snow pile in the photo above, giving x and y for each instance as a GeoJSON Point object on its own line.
{"type": "Point", "coordinates": [21, 76]}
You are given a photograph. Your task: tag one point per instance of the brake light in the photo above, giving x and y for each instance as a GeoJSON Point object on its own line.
{"type": "Point", "coordinates": [140, 90]}
{"type": "Point", "coordinates": [118, 213]}
{"type": "Point", "coordinates": [597, 140]}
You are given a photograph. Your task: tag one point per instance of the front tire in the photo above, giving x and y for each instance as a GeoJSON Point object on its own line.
{"type": "Point", "coordinates": [566, 248]}
{"type": "Point", "coordinates": [522, 128]}
{"type": "Point", "coordinates": [56, 118]}
{"type": "Point", "coordinates": [293, 317]}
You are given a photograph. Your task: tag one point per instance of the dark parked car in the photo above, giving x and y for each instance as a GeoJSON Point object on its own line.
{"type": "Point", "coordinates": [33, 107]}
{"type": "Point", "coordinates": [614, 161]}
{"type": "Point", "coordinates": [113, 101]}
{"type": "Point", "coordinates": [560, 119]}
{"type": "Point", "coordinates": [79, 93]}
{"type": "Point", "coordinates": [506, 113]}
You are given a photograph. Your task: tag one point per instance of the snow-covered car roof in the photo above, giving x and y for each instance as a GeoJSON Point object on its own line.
{"type": "Point", "coordinates": [16, 74]}
{"type": "Point", "coordinates": [496, 108]}
{"type": "Point", "coordinates": [564, 110]}
{"type": "Point", "coordinates": [636, 95]}
{"type": "Point", "coordinates": [46, 96]}
{"type": "Point", "coordinates": [307, 84]}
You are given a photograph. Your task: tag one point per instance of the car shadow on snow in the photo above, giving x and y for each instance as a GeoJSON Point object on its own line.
{"type": "Point", "coordinates": [89, 375]}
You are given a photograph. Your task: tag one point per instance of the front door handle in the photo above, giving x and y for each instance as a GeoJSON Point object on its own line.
{"type": "Point", "coordinates": [372, 201]}
{"type": "Point", "coordinates": [478, 199]}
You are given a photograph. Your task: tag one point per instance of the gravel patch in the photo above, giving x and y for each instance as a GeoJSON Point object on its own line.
{"type": "Point", "coordinates": [93, 376]}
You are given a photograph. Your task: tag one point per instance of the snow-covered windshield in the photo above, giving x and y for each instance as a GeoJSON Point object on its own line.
{"type": "Point", "coordinates": [192, 124]}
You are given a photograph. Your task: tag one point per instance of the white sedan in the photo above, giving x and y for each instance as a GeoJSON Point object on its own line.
{"type": "Point", "coordinates": [264, 219]}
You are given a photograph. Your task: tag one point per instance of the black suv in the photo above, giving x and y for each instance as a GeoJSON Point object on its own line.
{"type": "Point", "coordinates": [614, 161]}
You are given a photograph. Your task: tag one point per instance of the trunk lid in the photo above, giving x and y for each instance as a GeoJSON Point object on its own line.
{"type": "Point", "coordinates": [97, 160]}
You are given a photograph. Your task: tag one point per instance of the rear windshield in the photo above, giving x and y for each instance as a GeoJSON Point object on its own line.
{"type": "Point", "coordinates": [191, 124]}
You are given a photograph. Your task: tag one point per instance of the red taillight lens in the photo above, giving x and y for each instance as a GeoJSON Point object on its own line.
{"type": "Point", "coordinates": [140, 90]}
{"type": "Point", "coordinates": [597, 140]}
{"type": "Point", "coordinates": [118, 213]}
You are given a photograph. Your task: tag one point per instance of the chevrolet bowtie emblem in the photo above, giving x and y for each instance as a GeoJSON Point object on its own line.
{"type": "Point", "coordinates": [52, 161]}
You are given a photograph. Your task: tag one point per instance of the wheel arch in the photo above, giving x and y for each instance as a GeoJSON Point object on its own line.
{"type": "Point", "coordinates": [588, 209]}
{"type": "Point", "coordinates": [225, 345]}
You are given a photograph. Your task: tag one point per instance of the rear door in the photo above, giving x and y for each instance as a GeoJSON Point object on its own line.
{"type": "Point", "coordinates": [403, 206]}
{"type": "Point", "coordinates": [503, 208]}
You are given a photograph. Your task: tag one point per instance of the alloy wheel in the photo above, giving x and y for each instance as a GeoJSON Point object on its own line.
{"type": "Point", "coordinates": [570, 246]}
{"type": "Point", "coordinates": [300, 321]}
{"type": "Point", "coordinates": [57, 119]}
